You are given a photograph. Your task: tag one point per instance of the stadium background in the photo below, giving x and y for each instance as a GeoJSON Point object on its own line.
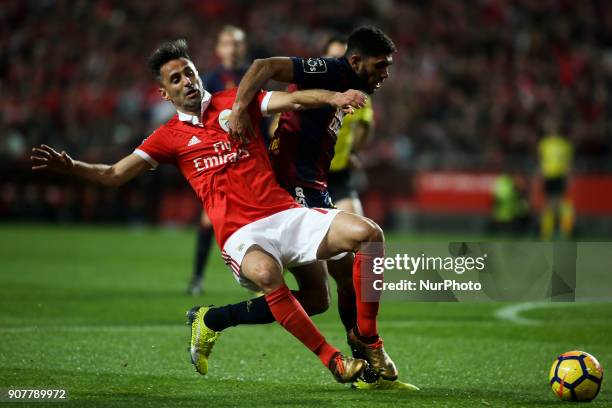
{"type": "Point", "coordinates": [467, 97]}
{"type": "Point", "coordinates": [92, 298]}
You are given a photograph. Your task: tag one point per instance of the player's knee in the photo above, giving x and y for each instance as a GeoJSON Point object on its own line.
{"type": "Point", "coordinates": [269, 282]}
{"type": "Point", "coordinates": [369, 231]}
{"type": "Point", "coordinates": [316, 305]}
{"type": "Point", "coordinates": [266, 275]}
{"type": "Point", "coordinates": [314, 300]}
{"type": "Point", "coordinates": [377, 234]}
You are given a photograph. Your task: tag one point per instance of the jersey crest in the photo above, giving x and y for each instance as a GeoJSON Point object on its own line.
{"type": "Point", "coordinates": [314, 66]}
{"type": "Point", "coordinates": [224, 119]}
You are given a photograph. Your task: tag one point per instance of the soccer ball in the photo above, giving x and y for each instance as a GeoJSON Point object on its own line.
{"type": "Point", "coordinates": [576, 376]}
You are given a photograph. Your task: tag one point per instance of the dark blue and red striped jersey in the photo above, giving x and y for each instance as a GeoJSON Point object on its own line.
{"type": "Point", "coordinates": [221, 79]}
{"type": "Point", "coordinates": [303, 144]}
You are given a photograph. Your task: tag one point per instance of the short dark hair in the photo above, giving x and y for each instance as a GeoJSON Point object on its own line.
{"type": "Point", "coordinates": [334, 39]}
{"type": "Point", "coordinates": [167, 51]}
{"type": "Point", "coordinates": [369, 41]}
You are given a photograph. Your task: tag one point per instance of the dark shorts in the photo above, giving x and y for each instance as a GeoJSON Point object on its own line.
{"type": "Point", "coordinates": [555, 187]}
{"type": "Point", "coordinates": [339, 185]}
{"type": "Point", "coordinates": [310, 197]}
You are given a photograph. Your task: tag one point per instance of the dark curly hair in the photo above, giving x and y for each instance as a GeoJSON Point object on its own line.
{"type": "Point", "coordinates": [369, 41]}
{"type": "Point", "coordinates": [167, 51]}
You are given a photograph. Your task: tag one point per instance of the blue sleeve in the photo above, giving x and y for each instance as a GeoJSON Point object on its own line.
{"type": "Point", "coordinates": [326, 73]}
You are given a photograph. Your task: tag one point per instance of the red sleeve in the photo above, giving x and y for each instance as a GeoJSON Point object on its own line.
{"type": "Point", "coordinates": [157, 148]}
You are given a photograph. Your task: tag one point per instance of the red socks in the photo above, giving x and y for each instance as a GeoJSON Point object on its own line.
{"type": "Point", "coordinates": [363, 278]}
{"type": "Point", "coordinates": [291, 315]}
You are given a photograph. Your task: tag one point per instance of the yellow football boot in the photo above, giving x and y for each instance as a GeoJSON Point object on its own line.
{"type": "Point", "coordinates": [202, 339]}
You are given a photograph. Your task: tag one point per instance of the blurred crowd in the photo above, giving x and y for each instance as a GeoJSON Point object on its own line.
{"type": "Point", "coordinates": [472, 83]}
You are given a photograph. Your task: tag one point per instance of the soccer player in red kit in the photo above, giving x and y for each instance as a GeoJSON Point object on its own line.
{"type": "Point", "coordinates": [259, 226]}
{"type": "Point", "coordinates": [231, 50]}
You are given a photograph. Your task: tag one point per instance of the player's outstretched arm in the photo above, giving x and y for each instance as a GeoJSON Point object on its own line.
{"type": "Point", "coordinates": [262, 70]}
{"type": "Point", "coordinates": [315, 98]}
{"type": "Point", "coordinates": [47, 158]}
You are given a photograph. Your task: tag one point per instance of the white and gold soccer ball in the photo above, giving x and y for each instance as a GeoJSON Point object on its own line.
{"type": "Point", "coordinates": [576, 376]}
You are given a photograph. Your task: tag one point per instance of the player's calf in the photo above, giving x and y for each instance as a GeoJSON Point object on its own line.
{"type": "Point", "coordinates": [313, 287]}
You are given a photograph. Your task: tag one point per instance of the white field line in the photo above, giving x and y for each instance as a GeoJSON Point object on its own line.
{"type": "Point", "coordinates": [512, 313]}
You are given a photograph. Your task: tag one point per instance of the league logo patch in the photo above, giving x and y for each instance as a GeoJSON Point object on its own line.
{"type": "Point", "coordinates": [314, 66]}
{"type": "Point", "coordinates": [224, 119]}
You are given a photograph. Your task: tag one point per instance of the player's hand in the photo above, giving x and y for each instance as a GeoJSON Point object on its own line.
{"type": "Point", "coordinates": [47, 158]}
{"type": "Point", "coordinates": [349, 101]}
{"type": "Point", "coordinates": [240, 126]}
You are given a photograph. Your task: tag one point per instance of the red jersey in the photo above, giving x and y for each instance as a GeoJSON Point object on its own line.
{"type": "Point", "coordinates": [235, 183]}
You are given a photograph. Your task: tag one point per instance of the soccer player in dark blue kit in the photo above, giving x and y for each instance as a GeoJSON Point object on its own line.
{"type": "Point", "coordinates": [301, 152]}
{"type": "Point", "coordinates": [303, 146]}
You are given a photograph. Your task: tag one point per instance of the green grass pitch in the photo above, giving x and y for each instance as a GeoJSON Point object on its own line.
{"type": "Point", "coordinates": [100, 311]}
